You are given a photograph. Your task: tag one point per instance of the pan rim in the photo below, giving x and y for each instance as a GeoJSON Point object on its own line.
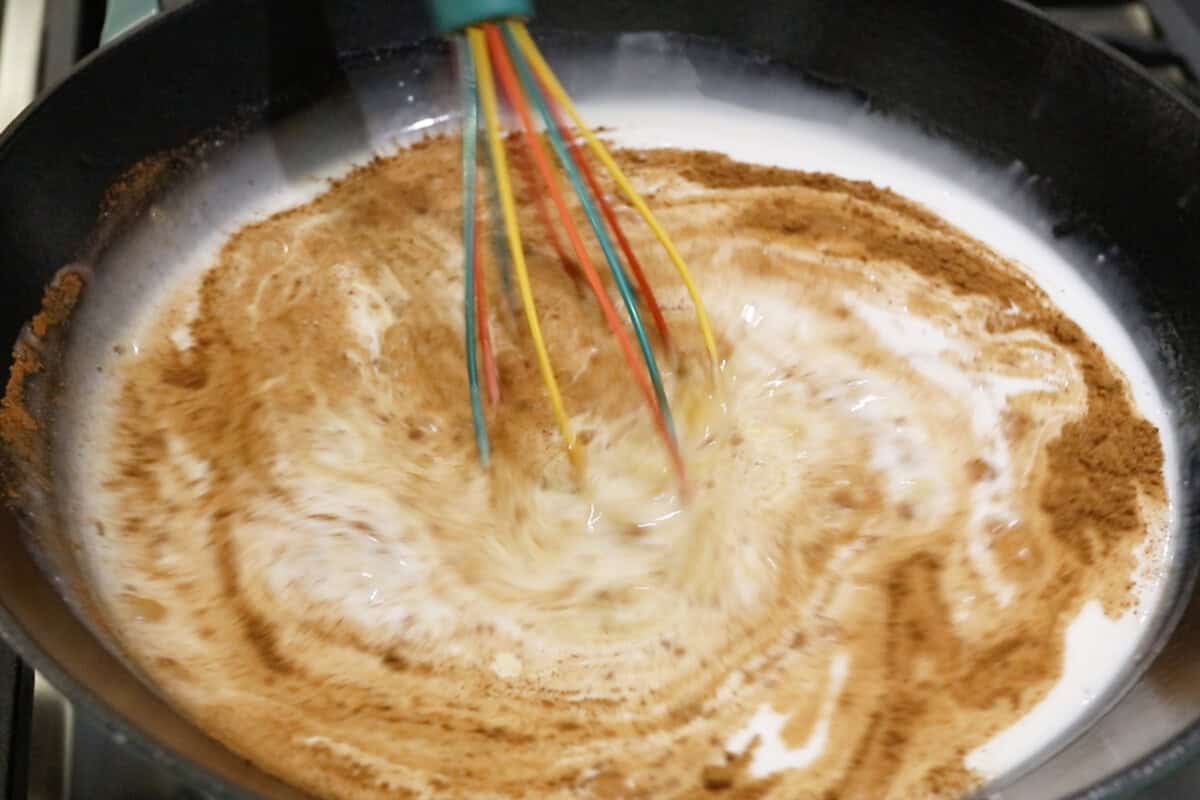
{"type": "Point", "coordinates": [1163, 759]}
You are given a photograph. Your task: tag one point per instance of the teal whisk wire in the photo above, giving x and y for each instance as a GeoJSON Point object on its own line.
{"type": "Point", "coordinates": [470, 138]}
{"type": "Point", "coordinates": [499, 243]}
{"type": "Point", "coordinates": [533, 90]}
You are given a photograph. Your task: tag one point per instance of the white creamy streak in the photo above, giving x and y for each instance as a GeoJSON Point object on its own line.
{"type": "Point", "coordinates": [857, 145]}
{"type": "Point", "coordinates": [771, 753]}
{"type": "Point", "coordinates": [1096, 647]}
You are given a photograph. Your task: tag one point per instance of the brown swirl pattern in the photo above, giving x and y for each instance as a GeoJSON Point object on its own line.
{"type": "Point", "coordinates": [914, 473]}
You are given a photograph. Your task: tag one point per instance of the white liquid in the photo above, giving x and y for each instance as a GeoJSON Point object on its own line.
{"type": "Point", "coordinates": [1097, 648]}
{"type": "Point", "coordinates": [839, 140]}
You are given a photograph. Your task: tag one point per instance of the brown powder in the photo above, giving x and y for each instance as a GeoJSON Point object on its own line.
{"type": "Point", "coordinates": [925, 690]}
{"type": "Point", "coordinates": [1098, 464]}
{"type": "Point", "coordinates": [18, 427]}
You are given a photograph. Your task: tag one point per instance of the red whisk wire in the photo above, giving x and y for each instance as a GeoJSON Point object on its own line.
{"type": "Point", "coordinates": [491, 376]}
{"type": "Point", "coordinates": [511, 87]}
{"type": "Point", "coordinates": [611, 218]}
{"type": "Point", "coordinates": [539, 201]}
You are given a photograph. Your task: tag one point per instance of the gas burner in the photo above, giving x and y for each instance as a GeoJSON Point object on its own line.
{"type": "Point", "coordinates": [1161, 35]}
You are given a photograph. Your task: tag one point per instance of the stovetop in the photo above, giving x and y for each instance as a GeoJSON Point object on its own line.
{"type": "Point", "coordinates": [47, 751]}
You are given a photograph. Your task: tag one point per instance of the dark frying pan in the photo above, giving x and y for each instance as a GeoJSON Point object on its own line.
{"type": "Point", "coordinates": [1115, 156]}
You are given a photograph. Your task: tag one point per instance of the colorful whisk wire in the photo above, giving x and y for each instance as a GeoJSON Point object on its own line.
{"type": "Point", "coordinates": [499, 59]}
{"type": "Point", "coordinates": [470, 92]}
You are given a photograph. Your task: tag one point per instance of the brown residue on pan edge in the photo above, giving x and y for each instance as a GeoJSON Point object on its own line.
{"type": "Point", "coordinates": [133, 193]}
{"type": "Point", "coordinates": [26, 466]}
{"type": "Point", "coordinates": [17, 425]}
{"type": "Point", "coordinates": [19, 428]}
{"type": "Point", "coordinates": [280, 357]}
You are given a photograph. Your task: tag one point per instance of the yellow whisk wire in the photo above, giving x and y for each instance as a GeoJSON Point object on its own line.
{"type": "Point", "coordinates": [487, 97]}
{"type": "Point", "coordinates": [548, 78]}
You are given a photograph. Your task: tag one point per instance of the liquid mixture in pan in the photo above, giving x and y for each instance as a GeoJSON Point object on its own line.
{"type": "Point", "coordinates": [918, 474]}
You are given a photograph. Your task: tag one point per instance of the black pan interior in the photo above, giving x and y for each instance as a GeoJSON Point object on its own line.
{"type": "Point", "coordinates": [1117, 161]}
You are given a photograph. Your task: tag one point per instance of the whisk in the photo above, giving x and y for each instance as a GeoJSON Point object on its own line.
{"type": "Point", "coordinates": [494, 47]}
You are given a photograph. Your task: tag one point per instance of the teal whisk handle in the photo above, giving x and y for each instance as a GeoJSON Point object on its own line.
{"type": "Point", "coordinates": [454, 15]}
